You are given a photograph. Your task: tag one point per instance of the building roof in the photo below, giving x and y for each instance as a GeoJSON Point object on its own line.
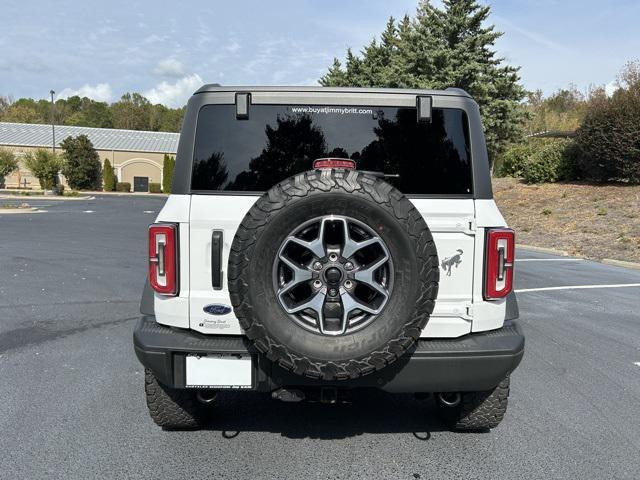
{"type": "Point", "coordinates": [37, 135]}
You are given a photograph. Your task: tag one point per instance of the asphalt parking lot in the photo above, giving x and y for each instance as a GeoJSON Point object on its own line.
{"type": "Point", "coordinates": [71, 396]}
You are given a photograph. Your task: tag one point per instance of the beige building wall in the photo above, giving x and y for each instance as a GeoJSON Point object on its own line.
{"type": "Point", "coordinates": [126, 165]}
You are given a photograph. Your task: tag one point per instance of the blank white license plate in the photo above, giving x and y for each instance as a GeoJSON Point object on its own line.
{"type": "Point", "coordinates": [219, 371]}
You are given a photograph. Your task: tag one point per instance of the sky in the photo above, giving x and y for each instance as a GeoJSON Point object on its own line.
{"type": "Point", "coordinates": [166, 50]}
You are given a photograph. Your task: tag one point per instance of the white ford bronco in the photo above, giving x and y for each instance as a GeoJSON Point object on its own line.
{"type": "Point", "coordinates": [319, 240]}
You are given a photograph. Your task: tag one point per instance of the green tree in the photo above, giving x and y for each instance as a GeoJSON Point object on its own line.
{"type": "Point", "coordinates": [563, 110]}
{"type": "Point", "coordinates": [85, 112]}
{"type": "Point", "coordinates": [8, 163]}
{"type": "Point", "coordinates": [45, 166]}
{"type": "Point", "coordinates": [22, 113]}
{"type": "Point", "coordinates": [168, 167]}
{"type": "Point", "coordinates": [608, 141]}
{"type": "Point", "coordinates": [81, 163]}
{"type": "Point", "coordinates": [439, 48]}
{"type": "Point", "coordinates": [108, 177]}
{"type": "Point", "coordinates": [132, 112]}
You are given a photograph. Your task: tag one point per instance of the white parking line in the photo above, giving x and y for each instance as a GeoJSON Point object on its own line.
{"type": "Point", "coordinates": [549, 259]}
{"type": "Point", "coordinates": [578, 287]}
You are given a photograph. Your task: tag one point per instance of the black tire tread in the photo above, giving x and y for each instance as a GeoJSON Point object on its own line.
{"type": "Point", "coordinates": [172, 408]}
{"type": "Point", "coordinates": [326, 181]}
{"type": "Point", "coordinates": [479, 410]}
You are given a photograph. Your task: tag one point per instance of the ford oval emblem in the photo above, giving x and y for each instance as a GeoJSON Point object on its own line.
{"type": "Point", "coordinates": [217, 309]}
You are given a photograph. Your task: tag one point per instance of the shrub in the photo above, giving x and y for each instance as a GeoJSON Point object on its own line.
{"type": "Point", "coordinates": [168, 166]}
{"type": "Point", "coordinates": [549, 163]}
{"type": "Point", "coordinates": [45, 166]}
{"type": "Point", "coordinates": [123, 187]}
{"type": "Point", "coordinates": [155, 188]}
{"type": "Point", "coordinates": [608, 140]}
{"type": "Point", "coordinates": [82, 164]}
{"type": "Point", "coordinates": [108, 177]}
{"type": "Point", "coordinates": [511, 163]}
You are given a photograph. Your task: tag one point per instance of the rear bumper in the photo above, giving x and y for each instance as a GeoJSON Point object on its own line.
{"type": "Point", "coordinates": [474, 362]}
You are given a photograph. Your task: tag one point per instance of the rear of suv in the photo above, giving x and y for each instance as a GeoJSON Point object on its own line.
{"type": "Point", "coordinates": [320, 240]}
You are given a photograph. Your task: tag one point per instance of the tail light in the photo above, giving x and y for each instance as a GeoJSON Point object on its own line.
{"type": "Point", "coordinates": [163, 258]}
{"type": "Point", "coordinates": [499, 257]}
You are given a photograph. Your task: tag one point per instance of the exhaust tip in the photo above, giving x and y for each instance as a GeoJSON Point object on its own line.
{"type": "Point", "coordinates": [206, 397]}
{"type": "Point", "coordinates": [450, 400]}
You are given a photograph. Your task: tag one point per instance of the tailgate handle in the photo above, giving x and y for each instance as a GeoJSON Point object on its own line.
{"type": "Point", "coordinates": [216, 259]}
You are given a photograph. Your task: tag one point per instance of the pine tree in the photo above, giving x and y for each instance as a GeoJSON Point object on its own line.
{"type": "Point", "coordinates": [440, 48]}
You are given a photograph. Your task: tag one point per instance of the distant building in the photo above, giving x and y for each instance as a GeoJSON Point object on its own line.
{"type": "Point", "coordinates": [136, 156]}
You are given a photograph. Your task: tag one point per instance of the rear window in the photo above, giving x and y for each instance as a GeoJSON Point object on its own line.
{"type": "Point", "coordinates": [277, 141]}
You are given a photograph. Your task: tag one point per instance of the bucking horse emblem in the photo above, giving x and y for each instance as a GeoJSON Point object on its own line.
{"type": "Point", "coordinates": [452, 261]}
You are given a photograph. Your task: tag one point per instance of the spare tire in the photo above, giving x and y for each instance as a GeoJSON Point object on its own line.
{"type": "Point", "coordinates": [333, 274]}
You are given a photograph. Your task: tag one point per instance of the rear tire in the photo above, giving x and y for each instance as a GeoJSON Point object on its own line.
{"type": "Point", "coordinates": [172, 408]}
{"type": "Point", "coordinates": [477, 410]}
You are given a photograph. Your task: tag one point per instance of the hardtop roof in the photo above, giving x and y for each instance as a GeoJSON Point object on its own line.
{"type": "Point", "coordinates": [214, 87]}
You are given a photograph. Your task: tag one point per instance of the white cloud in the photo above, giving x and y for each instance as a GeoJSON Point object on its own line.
{"type": "Point", "coordinates": [169, 67]}
{"type": "Point", "coordinates": [100, 92]}
{"type": "Point", "coordinates": [232, 47]}
{"type": "Point", "coordinates": [174, 94]}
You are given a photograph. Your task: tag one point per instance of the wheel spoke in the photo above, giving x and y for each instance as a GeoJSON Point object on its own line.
{"type": "Point", "coordinates": [300, 274]}
{"type": "Point", "coordinates": [351, 246]}
{"type": "Point", "coordinates": [314, 246]}
{"type": "Point", "coordinates": [365, 276]}
{"type": "Point", "coordinates": [315, 303]}
{"type": "Point", "coordinates": [349, 304]}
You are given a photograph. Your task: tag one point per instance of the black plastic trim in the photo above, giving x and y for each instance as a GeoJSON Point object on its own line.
{"type": "Point", "coordinates": [147, 306]}
{"type": "Point", "coordinates": [474, 362]}
{"type": "Point", "coordinates": [216, 259]}
{"type": "Point", "coordinates": [512, 311]}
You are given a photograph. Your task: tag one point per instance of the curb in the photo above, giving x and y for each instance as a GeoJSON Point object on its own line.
{"type": "Point", "coordinates": [129, 194]}
{"type": "Point", "coordinates": [620, 263]}
{"type": "Point", "coordinates": [562, 253]}
{"type": "Point", "coordinates": [551, 251]}
{"type": "Point", "coordinates": [39, 198]}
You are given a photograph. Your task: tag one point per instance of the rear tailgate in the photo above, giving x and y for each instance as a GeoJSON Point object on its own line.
{"type": "Point", "coordinates": [450, 220]}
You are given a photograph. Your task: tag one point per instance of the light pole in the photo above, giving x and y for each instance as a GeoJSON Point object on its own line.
{"type": "Point", "coordinates": [53, 126]}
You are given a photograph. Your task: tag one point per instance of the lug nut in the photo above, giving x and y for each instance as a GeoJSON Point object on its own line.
{"type": "Point", "coordinates": [333, 257]}
{"type": "Point", "coordinates": [317, 284]}
{"type": "Point", "coordinates": [317, 266]}
{"type": "Point", "coordinates": [348, 284]}
{"type": "Point", "coordinates": [333, 292]}
{"type": "Point", "coordinates": [348, 266]}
